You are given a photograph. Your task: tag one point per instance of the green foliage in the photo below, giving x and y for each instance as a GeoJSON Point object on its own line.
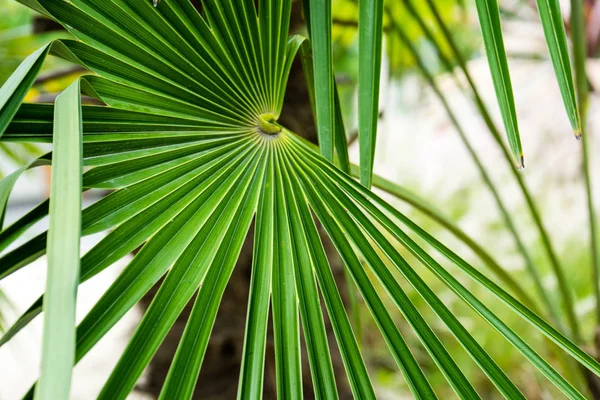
{"type": "Point", "coordinates": [188, 139]}
{"type": "Point", "coordinates": [58, 351]}
{"type": "Point", "coordinates": [18, 41]}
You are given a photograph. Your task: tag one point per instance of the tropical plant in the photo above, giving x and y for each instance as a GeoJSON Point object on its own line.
{"type": "Point", "coordinates": [17, 42]}
{"type": "Point", "coordinates": [189, 141]}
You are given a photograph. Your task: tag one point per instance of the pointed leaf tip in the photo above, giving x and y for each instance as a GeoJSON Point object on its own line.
{"type": "Point", "coordinates": [491, 29]}
{"type": "Point", "coordinates": [521, 164]}
{"type": "Point", "coordinates": [556, 39]}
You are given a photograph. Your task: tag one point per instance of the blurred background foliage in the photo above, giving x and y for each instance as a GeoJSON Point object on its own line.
{"type": "Point", "coordinates": [455, 14]}
{"type": "Point", "coordinates": [21, 33]}
{"type": "Point", "coordinates": [458, 17]}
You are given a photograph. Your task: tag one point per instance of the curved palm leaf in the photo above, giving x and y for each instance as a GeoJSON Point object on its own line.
{"type": "Point", "coordinates": [190, 142]}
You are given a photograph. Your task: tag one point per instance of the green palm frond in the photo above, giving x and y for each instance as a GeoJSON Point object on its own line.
{"type": "Point", "coordinates": [63, 247]}
{"type": "Point", "coordinates": [188, 139]}
{"type": "Point", "coordinates": [554, 30]}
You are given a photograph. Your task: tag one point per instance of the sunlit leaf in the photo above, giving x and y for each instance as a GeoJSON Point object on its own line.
{"type": "Point", "coordinates": [370, 30]}
{"type": "Point", "coordinates": [58, 348]}
{"type": "Point", "coordinates": [188, 141]}
{"type": "Point", "coordinates": [489, 19]}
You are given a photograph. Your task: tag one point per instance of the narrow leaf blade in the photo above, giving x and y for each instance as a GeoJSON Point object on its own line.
{"type": "Point", "coordinates": [320, 29]}
{"type": "Point", "coordinates": [16, 87]}
{"type": "Point", "coordinates": [556, 38]}
{"type": "Point", "coordinates": [58, 352]}
{"type": "Point", "coordinates": [370, 31]}
{"type": "Point", "coordinates": [489, 18]}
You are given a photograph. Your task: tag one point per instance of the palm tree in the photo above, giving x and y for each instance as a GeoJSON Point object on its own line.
{"type": "Point", "coordinates": [190, 141]}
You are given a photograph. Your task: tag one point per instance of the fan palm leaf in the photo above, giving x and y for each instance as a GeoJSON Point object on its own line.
{"type": "Point", "coordinates": [188, 139]}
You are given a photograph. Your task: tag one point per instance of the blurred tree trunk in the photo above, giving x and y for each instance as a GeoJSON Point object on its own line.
{"type": "Point", "coordinates": [220, 370]}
